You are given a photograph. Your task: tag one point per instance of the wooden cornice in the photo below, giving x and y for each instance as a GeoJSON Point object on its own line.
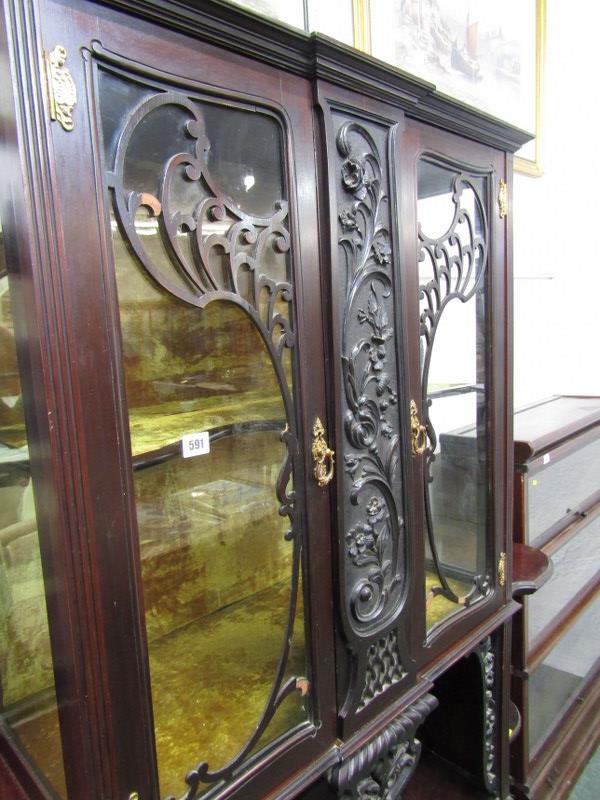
{"type": "Point", "coordinates": [316, 56]}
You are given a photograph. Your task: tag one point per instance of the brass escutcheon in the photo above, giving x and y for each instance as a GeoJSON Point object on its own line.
{"type": "Point", "coordinates": [418, 432]}
{"type": "Point", "coordinates": [322, 454]}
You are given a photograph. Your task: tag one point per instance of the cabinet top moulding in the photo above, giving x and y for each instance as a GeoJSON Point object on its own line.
{"type": "Point", "coordinates": [318, 56]}
{"type": "Point", "coordinates": [546, 424]}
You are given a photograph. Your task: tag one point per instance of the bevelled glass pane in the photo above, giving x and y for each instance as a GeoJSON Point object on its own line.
{"type": "Point", "coordinates": [27, 693]}
{"type": "Point", "coordinates": [560, 488]}
{"type": "Point", "coordinates": [202, 267]}
{"type": "Point", "coordinates": [453, 408]}
{"type": "Point", "coordinates": [554, 684]}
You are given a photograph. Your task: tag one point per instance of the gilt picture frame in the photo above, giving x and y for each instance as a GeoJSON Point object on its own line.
{"type": "Point", "coordinates": [487, 55]}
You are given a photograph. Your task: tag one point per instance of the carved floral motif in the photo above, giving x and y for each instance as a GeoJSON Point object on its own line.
{"type": "Point", "coordinates": [487, 660]}
{"type": "Point", "coordinates": [374, 537]}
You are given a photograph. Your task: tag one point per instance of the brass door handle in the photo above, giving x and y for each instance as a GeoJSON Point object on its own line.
{"type": "Point", "coordinates": [418, 432]}
{"type": "Point", "coordinates": [322, 454]}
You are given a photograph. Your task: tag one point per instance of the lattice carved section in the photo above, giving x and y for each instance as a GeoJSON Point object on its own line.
{"type": "Point", "coordinates": [384, 668]}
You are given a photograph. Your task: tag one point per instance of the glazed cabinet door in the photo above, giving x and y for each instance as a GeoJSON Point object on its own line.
{"type": "Point", "coordinates": [455, 289]}
{"type": "Point", "coordinates": [183, 184]}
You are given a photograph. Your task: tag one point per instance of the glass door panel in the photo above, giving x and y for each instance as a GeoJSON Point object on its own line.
{"type": "Point", "coordinates": [200, 232]}
{"type": "Point", "coordinates": [555, 683]}
{"type": "Point", "coordinates": [561, 488]}
{"type": "Point", "coordinates": [453, 253]}
{"type": "Point", "coordinates": [574, 565]}
{"type": "Point", "coordinates": [28, 708]}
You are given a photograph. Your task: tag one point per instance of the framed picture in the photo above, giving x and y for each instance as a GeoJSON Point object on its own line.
{"type": "Point", "coordinates": [488, 55]}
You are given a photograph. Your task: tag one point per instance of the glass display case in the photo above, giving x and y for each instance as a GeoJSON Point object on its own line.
{"type": "Point", "coordinates": [555, 681]}
{"type": "Point", "coordinates": [254, 432]}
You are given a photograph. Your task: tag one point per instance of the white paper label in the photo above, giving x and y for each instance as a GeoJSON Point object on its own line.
{"type": "Point", "coordinates": [546, 459]}
{"type": "Point", "coordinates": [195, 444]}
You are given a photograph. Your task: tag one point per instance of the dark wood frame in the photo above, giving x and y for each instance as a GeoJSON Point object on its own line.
{"type": "Point", "coordinates": [64, 299]}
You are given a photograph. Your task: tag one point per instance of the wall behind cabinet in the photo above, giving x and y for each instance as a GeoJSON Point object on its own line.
{"type": "Point", "coordinates": [556, 217]}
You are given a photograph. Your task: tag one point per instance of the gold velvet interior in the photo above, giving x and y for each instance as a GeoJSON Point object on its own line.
{"type": "Point", "coordinates": [217, 575]}
{"type": "Point", "coordinates": [210, 684]}
{"type": "Point", "coordinates": [439, 607]}
{"type": "Point", "coordinates": [217, 568]}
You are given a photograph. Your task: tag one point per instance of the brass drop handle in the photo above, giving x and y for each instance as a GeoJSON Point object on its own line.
{"type": "Point", "coordinates": [322, 454]}
{"type": "Point", "coordinates": [418, 432]}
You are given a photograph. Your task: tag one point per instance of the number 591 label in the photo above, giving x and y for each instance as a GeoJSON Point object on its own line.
{"type": "Point", "coordinates": [195, 444]}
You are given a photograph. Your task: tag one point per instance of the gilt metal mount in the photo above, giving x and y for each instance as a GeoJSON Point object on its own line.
{"type": "Point", "coordinates": [502, 570]}
{"type": "Point", "coordinates": [502, 199]}
{"type": "Point", "coordinates": [322, 455]}
{"type": "Point", "coordinates": [418, 432]}
{"type": "Point", "coordinates": [62, 93]}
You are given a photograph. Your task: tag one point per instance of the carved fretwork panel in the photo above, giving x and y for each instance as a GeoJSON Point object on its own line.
{"type": "Point", "coordinates": [381, 769]}
{"type": "Point", "coordinates": [373, 548]}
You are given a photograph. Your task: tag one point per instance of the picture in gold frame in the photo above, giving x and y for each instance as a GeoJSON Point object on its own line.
{"type": "Point", "coordinates": [489, 56]}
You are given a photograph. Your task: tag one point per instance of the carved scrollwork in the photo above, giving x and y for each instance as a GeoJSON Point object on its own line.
{"type": "Point", "coordinates": [374, 527]}
{"type": "Point", "coordinates": [458, 264]}
{"type": "Point", "coordinates": [381, 769]}
{"type": "Point", "coordinates": [457, 261]}
{"type": "Point", "coordinates": [216, 251]}
{"type": "Point", "coordinates": [241, 242]}
{"type": "Point", "coordinates": [487, 659]}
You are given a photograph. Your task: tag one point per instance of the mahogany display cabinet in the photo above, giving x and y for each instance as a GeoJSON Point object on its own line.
{"type": "Point", "coordinates": [253, 282]}
{"type": "Point", "coordinates": [556, 654]}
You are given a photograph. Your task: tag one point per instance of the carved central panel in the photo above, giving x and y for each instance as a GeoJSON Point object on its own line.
{"type": "Point", "coordinates": [372, 544]}
{"type": "Point", "coordinates": [374, 526]}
